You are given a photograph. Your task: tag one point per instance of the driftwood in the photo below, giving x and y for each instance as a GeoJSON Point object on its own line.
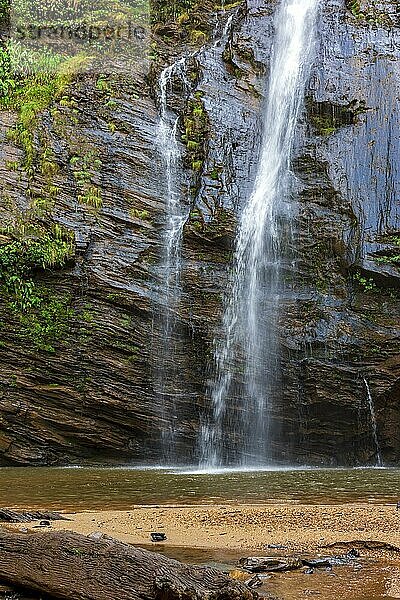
{"type": "Point", "coordinates": [13, 516]}
{"type": "Point", "coordinates": [332, 561]}
{"type": "Point", "coordinates": [75, 567]}
{"type": "Point", "coordinates": [266, 564]}
{"type": "Point", "coordinates": [317, 563]}
{"type": "Point", "coordinates": [364, 544]}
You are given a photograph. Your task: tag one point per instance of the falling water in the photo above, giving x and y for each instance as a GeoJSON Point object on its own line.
{"type": "Point", "coordinates": [251, 309]}
{"type": "Point", "coordinates": [176, 216]}
{"type": "Point", "coordinates": [225, 31]}
{"type": "Point", "coordinates": [379, 462]}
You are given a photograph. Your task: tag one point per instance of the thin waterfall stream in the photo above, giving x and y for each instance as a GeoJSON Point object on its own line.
{"type": "Point", "coordinates": [371, 406]}
{"type": "Point", "coordinates": [176, 216]}
{"type": "Point", "coordinates": [177, 213]}
{"type": "Point", "coordinates": [247, 349]}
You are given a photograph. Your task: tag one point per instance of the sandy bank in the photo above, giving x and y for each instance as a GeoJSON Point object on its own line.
{"type": "Point", "coordinates": [244, 527]}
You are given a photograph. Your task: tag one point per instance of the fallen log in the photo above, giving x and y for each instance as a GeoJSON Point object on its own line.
{"type": "Point", "coordinates": [14, 516]}
{"type": "Point", "coordinates": [70, 566]}
{"type": "Point", "coordinates": [267, 564]}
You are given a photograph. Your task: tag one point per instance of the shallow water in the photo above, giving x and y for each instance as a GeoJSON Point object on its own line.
{"type": "Point", "coordinates": [105, 488]}
{"type": "Point", "coordinates": [366, 579]}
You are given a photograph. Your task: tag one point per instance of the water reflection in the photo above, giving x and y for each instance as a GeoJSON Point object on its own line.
{"type": "Point", "coordinates": [99, 488]}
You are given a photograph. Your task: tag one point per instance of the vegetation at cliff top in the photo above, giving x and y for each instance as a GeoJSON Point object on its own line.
{"type": "Point", "coordinates": [29, 82]}
{"type": "Point", "coordinates": [188, 20]}
{"type": "Point", "coordinates": [100, 13]}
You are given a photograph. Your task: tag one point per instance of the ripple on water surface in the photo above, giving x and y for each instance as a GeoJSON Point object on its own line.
{"type": "Point", "coordinates": [120, 488]}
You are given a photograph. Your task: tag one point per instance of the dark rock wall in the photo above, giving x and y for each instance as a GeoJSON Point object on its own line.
{"type": "Point", "coordinates": [91, 394]}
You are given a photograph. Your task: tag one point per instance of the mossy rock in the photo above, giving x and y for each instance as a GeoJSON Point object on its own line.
{"type": "Point", "coordinates": [217, 231]}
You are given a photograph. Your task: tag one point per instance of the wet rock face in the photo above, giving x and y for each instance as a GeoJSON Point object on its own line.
{"type": "Point", "coordinates": [348, 277]}
{"type": "Point", "coordinates": [88, 391]}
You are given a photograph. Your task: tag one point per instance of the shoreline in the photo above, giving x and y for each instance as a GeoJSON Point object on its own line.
{"type": "Point", "coordinates": [241, 527]}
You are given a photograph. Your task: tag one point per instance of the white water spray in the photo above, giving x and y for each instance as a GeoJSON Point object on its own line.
{"type": "Point", "coordinates": [247, 350]}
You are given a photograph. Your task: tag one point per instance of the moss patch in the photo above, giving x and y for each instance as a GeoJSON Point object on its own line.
{"type": "Point", "coordinates": [196, 131]}
{"type": "Point", "coordinates": [186, 20]}
{"type": "Point", "coordinates": [326, 118]}
{"type": "Point", "coordinates": [371, 15]}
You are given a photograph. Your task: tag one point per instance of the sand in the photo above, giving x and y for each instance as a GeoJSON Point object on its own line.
{"type": "Point", "coordinates": [243, 527]}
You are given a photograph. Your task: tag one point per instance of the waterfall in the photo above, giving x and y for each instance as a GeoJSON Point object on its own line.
{"type": "Point", "coordinates": [176, 216]}
{"type": "Point", "coordinates": [379, 461]}
{"type": "Point", "coordinates": [225, 31]}
{"type": "Point", "coordinates": [247, 347]}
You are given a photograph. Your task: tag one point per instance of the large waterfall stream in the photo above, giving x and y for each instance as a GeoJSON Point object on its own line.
{"type": "Point", "coordinates": [248, 349]}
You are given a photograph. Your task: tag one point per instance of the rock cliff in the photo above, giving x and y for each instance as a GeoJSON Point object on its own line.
{"type": "Point", "coordinates": [83, 205]}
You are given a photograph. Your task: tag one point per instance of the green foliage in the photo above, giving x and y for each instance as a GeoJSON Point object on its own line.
{"type": "Point", "coordinates": [43, 316]}
{"type": "Point", "coordinates": [103, 85]}
{"type": "Point", "coordinates": [30, 81]}
{"type": "Point", "coordinates": [355, 7]}
{"type": "Point", "coordinates": [388, 259]}
{"type": "Point", "coordinates": [391, 254]}
{"type": "Point", "coordinates": [215, 173]}
{"type": "Point", "coordinates": [367, 284]}
{"type": "Point", "coordinates": [372, 16]}
{"type": "Point", "coordinates": [4, 8]}
{"type": "Point", "coordinates": [143, 215]}
{"type": "Point", "coordinates": [85, 167]}
{"type": "Point", "coordinates": [196, 132]}
{"type": "Point", "coordinates": [219, 227]}
{"type": "Point", "coordinates": [177, 10]}
{"type": "Point", "coordinates": [12, 165]}
{"type": "Point", "coordinates": [324, 125]}
{"type": "Point", "coordinates": [91, 197]}
{"type": "Point", "coordinates": [189, 19]}
{"type": "Point", "coordinates": [197, 165]}
{"type": "Point", "coordinates": [198, 37]}
{"type": "Point", "coordinates": [49, 321]}
{"type": "Point", "coordinates": [228, 5]}
{"type": "Point", "coordinates": [20, 257]}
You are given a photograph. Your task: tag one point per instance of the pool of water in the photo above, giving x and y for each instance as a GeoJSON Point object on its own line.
{"type": "Point", "coordinates": [365, 579]}
{"type": "Point", "coordinates": [120, 488]}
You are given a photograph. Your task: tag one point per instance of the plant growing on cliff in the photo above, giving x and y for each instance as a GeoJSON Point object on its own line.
{"type": "Point", "coordinates": [33, 249]}
{"type": "Point", "coordinates": [49, 322]}
{"type": "Point", "coordinates": [190, 20]}
{"type": "Point", "coordinates": [367, 284]}
{"type": "Point", "coordinates": [85, 167]}
{"type": "Point", "coordinates": [196, 132]}
{"type": "Point", "coordinates": [388, 259]}
{"type": "Point", "coordinates": [28, 248]}
{"type": "Point", "coordinates": [391, 254]}
{"type": "Point", "coordinates": [355, 7]}
{"type": "Point", "coordinates": [30, 81]}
